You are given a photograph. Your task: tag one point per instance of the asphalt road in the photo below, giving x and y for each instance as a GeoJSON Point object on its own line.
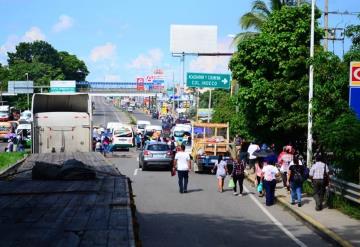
{"type": "Point", "coordinates": [202, 217]}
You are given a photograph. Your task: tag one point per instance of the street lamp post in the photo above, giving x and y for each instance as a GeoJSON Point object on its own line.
{"type": "Point", "coordinates": [27, 89]}
{"type": "Point", "coordinates": [311, 88]}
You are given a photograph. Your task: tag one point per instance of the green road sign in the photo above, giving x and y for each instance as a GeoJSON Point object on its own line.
{"type": "Point", "coordinates": [62, 90]}
{"type": "Point", "coordinates": [201, 80]}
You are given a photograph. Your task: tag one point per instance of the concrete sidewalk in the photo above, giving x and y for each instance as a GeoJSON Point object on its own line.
{"type": "Point", "coordinates": [342, 229]}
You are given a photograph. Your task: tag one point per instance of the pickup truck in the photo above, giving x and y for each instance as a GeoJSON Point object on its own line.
{"type": "Point", "coordinates": [208, 141]}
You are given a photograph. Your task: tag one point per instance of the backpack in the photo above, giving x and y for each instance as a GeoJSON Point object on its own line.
{"type": "Point", "coordinates": [297, 177]}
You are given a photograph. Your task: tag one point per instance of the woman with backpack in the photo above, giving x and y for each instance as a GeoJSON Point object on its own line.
{"type": "Point", "coordinates": [238, 176]}
{"type": "Point", "coordinates": [295, 179]}
{"type": "Point", "coordinates": [221, 171]}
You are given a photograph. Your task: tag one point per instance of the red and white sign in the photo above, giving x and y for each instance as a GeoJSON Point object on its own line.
{"type": "Point", "coordinates": [140, 83]}
{"type": "Point", "coordinates": [355, 74]}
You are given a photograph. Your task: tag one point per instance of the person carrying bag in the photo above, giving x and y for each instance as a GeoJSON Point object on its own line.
{"type": "Point", "coordinates": [238, 175]}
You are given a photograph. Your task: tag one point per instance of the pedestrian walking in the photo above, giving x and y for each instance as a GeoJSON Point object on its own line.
{"type": "Point", "coordinates": [269, 173]}
{"type": "Point", "coordinates": [182, 164]}
{"type": "Point", "coordinates": [243, 151]}
{"type": "Point", "coordinates": [284, 160]}
{"type": "Point", "coordinates": [295, 180]}
{"type": "Point", "coordinates": [138, 141]}
{"type": "Point", "coordinates": [221, 171]}
{"type": "Point", "coordinates": [238, 175]}
{"type": "Point", "coordinates": [319, 174]}
{"type": "Point", "coordinates": [252, 158]}
{"type": "Point", "coordinates": [258, 172]}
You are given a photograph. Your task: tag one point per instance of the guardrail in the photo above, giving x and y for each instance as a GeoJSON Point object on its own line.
{"type": "Point", "coordinates": [348, 190]}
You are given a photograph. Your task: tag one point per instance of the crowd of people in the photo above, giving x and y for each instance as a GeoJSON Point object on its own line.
{"type": "Point", "coordinates": [288, 166]}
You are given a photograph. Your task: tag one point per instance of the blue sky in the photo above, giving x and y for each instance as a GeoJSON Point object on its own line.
{"type": "Point", "coordinates": [119, 40]}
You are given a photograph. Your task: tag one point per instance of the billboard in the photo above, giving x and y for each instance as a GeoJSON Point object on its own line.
{"type": "Point", "coordinates": [140, 83]}
{"type": "Point", "coordinates": [354, 74]}
{"type": "Point", "coordinates": [62, 86]}
{"type": "Point", "coordinates": [193, 39]}
{"type": "Point", "coordinates": [20, 87]}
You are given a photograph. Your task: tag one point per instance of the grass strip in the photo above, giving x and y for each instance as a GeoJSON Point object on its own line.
{"type": "Point", "coordinates": [8, 159]}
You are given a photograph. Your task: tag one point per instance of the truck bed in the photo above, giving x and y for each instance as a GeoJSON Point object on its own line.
{"type": "Point", "coordinates": [66, 213]}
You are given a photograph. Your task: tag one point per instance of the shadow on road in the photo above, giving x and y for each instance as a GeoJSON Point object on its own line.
{"type": "Point", "coordinates": [191, 229]}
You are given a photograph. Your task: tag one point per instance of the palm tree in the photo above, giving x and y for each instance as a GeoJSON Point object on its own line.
{"type": "Point", "coordinates": [259, 13]}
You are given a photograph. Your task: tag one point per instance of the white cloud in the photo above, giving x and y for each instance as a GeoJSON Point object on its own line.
{"type": "Point", "coordinates": [33, 34]}
{"type": "Point", "coordinates": [103, 52]}
{"type": "Point", "coordinates": [145, 61]}
{"type": "Point", "coordinates": [210, 64]}
{"type": "Point", "coordinates": [65, 22]}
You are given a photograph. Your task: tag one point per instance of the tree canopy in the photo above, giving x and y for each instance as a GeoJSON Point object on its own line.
{"type": "Point", "coordinates": [41, 63]}
{"type": "Point", "coordinates": [272, 102]}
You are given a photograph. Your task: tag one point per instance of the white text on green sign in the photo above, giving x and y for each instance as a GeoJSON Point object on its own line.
{"type": "Point", "coordinates": [202, 80]}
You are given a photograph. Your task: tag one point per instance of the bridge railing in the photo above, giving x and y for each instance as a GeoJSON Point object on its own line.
{"type": "Point", "coordinates": [348, 190]}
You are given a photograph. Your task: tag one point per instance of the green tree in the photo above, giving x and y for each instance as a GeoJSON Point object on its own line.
{"type": "Point", "coordinates": [259, 14]}
{"type": "Point", "coordinates": [353, 32]}
{"type": "Point", "coordinates": [41, 63]}
{"type": "Point", "coordinates": [272, 102]}
{"type": "Point", "coordinates": [72, 67]}
{"type": "Point", "coordinates": [271, 70]}
{"type": "Point", "coordinates": [216, 96]}
{"type": "Point", "coordinates": [37, 51]}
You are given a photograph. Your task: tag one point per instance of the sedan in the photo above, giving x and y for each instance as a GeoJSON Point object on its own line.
{"type": "Point", "coordinates": [155, 154]}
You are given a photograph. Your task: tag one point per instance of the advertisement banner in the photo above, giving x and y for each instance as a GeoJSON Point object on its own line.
{"type": "Point", "coordinates": [140, 83]}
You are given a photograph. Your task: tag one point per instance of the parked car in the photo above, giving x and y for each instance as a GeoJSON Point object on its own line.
{"type": "Point", "coordinates": [130, 109]}
{"type": "Point", "coordinates": [156, 154]}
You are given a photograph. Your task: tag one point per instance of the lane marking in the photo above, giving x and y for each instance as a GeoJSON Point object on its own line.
{"type": "Point", "coordinates": [136, 171]}
{"type": "Point", "coordinates": [274, 220]}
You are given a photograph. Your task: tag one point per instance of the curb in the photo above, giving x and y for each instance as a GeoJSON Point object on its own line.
{"type": "Point", "coordinates": [314, 223]}
{"type": "Point", "coordinates": [13, 166]}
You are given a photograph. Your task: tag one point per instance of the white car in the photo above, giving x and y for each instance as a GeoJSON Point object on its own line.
{"type": "Point", "coordinates": [130, 109]}
{"type": "Point", "coordinates": [141, 125]}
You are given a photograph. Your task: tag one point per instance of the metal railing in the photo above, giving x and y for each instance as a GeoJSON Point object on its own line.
{"type": "Point", "coordinates": [348, 190]}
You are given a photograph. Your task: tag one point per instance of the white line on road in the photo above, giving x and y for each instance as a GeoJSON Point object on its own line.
{"type": "Point", "coordinates": [274, 220]}
{"type": "Point", "coordinates": [136, 171]}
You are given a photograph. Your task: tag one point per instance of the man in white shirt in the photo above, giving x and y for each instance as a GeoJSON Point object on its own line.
{"type": "Point", "coordinates": [318, 172]}
{"type": "Point", "coordinates": [252, 158]}
{"type": "Point", "coordinates": [182, 163]}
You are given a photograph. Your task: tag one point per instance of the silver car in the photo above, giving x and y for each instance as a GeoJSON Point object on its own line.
{"type": "Point", "coordinates": [155, 154]}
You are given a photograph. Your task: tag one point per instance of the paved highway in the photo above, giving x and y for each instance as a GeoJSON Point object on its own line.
{"type": "Point", "coordinates": [203, 217]}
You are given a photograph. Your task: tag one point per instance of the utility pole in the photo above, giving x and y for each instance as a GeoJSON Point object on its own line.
{"type": "Point", "coordinates": [326, 24]}
{"type": "Point", "coordinates": [209, 105]}
{"type": "Point", "coordinates": [311, 88]}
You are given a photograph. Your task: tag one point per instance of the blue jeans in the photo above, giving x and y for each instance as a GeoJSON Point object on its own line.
{"type": "Point", "coordinates": [270, 191]}
{"type": "Point", "coordinates": [183, 180]}
{"type": "Point", "coordinates": [296, 190]}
